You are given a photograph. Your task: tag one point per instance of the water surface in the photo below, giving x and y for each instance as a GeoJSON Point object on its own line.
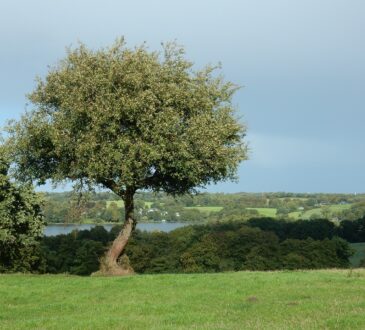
{"type": "Point", "coordinates": [57, 229]}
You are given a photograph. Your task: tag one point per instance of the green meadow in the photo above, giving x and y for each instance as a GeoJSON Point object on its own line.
{"type": "Point", "coordinates": [328, 299]}
{"type": "Point", "coordinates": [205, 209]}
{"type": "Point", "coordinates": [265, 211]}
{"type": "Point", "coordinates": [119, 203]}
{"type": "Point", "coordinates": [318, 211]}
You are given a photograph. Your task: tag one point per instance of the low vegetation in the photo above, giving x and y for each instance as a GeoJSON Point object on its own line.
{"type": "Point", "coordinates": [259, 244]}
{"type": "Point", "coordinates": [327, 299]}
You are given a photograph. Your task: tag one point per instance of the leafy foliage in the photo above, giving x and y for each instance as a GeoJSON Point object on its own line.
{"type": "Point", "coordinates": [197, 249]}
{"type": "Point", "coordinates": [120, 118]}
{"type": "Point", "coordinates": [21, 224]}
{"type": "Point", "coordinates": [353, 231]}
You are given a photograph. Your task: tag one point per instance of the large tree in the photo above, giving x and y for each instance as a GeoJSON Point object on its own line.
{"type": "Point", "coordinates": [129, 119]}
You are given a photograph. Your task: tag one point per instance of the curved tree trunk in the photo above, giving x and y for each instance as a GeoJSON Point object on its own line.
{"type": "Point", "coordinates": [109, 264]}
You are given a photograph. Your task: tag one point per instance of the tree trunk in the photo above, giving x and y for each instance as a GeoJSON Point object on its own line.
{"type": "Point", "coordinates": [109, 264]}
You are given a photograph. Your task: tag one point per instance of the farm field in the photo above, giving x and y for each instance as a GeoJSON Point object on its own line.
{"type": "Point", "coordinates": [317, 211]}
{"type": "Point", "coordinates": [265, 211]}
{"type": "Point", "coordinates": [148, 204]}
{"type": "Point", "coordinates": [272, 212]}
{"type": "Point", "coordinates": [205, 209]}
{"type": "Point", "coordinates": [119, 203]}
{"type": "Point", "coordinates": [327, 299]}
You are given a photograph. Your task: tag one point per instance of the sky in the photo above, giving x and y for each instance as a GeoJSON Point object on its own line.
{"type": "Point", "coordinates": [301, 64]}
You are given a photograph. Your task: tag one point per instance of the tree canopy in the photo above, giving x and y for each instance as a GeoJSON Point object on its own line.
{"type": "Point", "coordinates": [129, 119]}
{"type": "Point", "coordinates": [122, 117]}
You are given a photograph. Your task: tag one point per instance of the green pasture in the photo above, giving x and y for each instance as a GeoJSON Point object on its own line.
{"type": "Point", "coordinates": [265, 211]}
{"type": "Point", "coordinates": [339, 207]}
{"type": "Point", "coordinates": [205, 209]}
{"type": "Point", "coordinates": [119, 203]}
{"type": "Point", "coordinates": [294, 198]}
{"type": "Point", "coordinates": [305, 214]}
{"type": "Point", "coordinates": [328, 299]}
{"type": "Point", "coordinates": [148, 204]}
{"type": "Point", "coordinates": [318, 211]}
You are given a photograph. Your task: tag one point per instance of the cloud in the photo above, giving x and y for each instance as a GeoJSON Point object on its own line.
{"type": "Point", "coordinates": [273, 151]}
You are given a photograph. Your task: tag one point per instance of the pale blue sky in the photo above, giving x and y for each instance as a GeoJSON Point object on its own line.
{"type": "Point", "coordinates": [302, 64]}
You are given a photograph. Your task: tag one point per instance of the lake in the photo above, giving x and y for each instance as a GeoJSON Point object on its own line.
{"type": "Point", "coordinates": [58, 229]}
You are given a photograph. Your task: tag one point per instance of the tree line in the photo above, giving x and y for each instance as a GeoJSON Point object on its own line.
{"type": "Point", "coordinates": [104, 207]}
{"type": "Point", "coordinates": [260, 244]}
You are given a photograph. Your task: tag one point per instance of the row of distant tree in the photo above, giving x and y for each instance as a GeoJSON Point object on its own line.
{"type": "Point", "coordinates": [103, 207]}
{"type": "Point", "coordinates": [102, 211]}
{"type": "Point", "coordinates": [257, 245]}
{"type": "Point", "coordinates": [318, 229]}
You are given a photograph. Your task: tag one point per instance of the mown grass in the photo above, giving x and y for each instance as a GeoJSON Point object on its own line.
{"type": "Point", "coordinates": [265, 211]}
{"type": "Point", "coordinates": [330, 299]}
{"type": "Point", "coordinates": [205, 209]}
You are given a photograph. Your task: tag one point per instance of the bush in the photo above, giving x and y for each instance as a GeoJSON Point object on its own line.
{"type": "Point", "coordinates": [21, 225]}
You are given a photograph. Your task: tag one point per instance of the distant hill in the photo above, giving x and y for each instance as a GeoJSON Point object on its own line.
{"type": "Point", "coordinates": [105, 207]}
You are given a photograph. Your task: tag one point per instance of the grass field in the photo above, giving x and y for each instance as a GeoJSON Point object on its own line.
{"type": "Point", "coordinates": [339, 207]}
{"type": "Point", "coordinates": [359, 254]}
{"type": "Point", "coordinates": [330, 299]}
{"type": "Point", "coordinates": [305, 215]}
{"type": "Point", "coordinates": [148, 204]}
{"type": "Point", "coordinates": [119, 203]}
{"type": "Point", "coordinates": [265, 211]}
{"type": "Point", "coordinates": [206, 209]}
{"type": "Point", "coordinates": [317, 211]}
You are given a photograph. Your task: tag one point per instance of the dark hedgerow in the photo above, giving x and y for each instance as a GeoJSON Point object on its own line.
{"type": "Point", "coordinates": [203, 248]}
